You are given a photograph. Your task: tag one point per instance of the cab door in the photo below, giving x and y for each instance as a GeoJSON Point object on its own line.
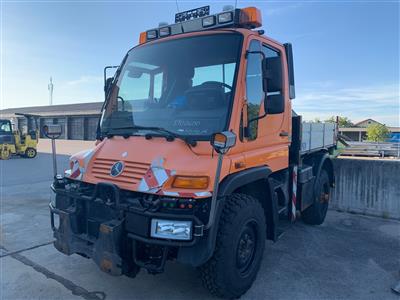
{"type": "Point", "coordinates": [266, 139]}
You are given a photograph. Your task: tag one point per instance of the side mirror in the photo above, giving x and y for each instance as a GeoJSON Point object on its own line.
{"type": "Point", "coordinates": [289, 56]}
{"type": "Point", "coordinates": [223, 141]}
{"type": "Point", "coordinates": [272, 74]}
{"type": "Point", "coordinates": [52, 131]}
{"type": "Point", "coordinates": [107, 84]}
{"type": "Point", "coordinates": [274, 104]}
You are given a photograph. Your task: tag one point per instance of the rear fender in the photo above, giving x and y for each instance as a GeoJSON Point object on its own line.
{"type": "Point", "coordinates": [324, 162]}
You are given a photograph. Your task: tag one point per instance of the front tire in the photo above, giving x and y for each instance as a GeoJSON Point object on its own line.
{"type": "Point", "coordinates": [239, 248]}
{"type": "Point", "coordinates": [316, 213]}
{"type": "Point", "coordinates": [30, 153]}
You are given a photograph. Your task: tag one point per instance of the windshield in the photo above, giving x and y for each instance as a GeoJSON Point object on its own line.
{"type": "Point", "coordinates": [184, 86]}
{"type": "Point", "coordinates": [5, 127]}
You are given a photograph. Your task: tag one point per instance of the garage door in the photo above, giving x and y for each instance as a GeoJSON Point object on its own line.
{"type": "Point", "coordinates": [32, 124]}
{"type": "Point", "coordinates": [22, 124]}
{"type": "Point", "coordinates": [61, 121]}
{"type": "Point", "coordinates": [45, 121]}
{"type": "Point", "coordinates": [76, 128]}
{"type": "Point", "coordinates": [91, 128]}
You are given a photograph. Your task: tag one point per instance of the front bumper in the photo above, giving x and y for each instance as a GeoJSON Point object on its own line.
{"type": "Point", "coordinates": [117, 234]}
{"type": "Point", "coordinates": [104, 250]}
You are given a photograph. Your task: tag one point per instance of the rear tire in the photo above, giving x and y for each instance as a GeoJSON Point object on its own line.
{"type": "Point", "coordinates": [239, 248]}
{"type": "Point", "coordinates": [30, 153]}
{"type": "Point", "coordinates": [316, 213]}
{"type": "Point", "coordinates": [5, 153]}
{"type": "Point", "coordinates": [130, 269]}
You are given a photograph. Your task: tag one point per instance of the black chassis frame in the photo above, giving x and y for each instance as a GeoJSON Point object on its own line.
{"type": "Point", "coordinates": [123, 231]}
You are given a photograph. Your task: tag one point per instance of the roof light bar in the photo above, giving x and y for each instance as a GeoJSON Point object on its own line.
{"type": "Point", "coordinates": [192, 14]}
{"type": "Point", "coordinates": [198, 19]}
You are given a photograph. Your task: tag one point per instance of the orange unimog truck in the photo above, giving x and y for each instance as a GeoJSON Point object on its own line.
{"type": "Point", "coordinates": [199, 157]}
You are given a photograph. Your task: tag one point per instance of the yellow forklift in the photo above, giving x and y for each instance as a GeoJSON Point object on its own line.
{"type": "Point", "coordinates": [16, 142]}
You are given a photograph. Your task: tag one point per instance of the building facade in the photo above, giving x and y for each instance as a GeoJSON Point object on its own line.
{"type": "Point", "coordinates": [78, 121]}
{"type": "Point", "coordinates": [358, 132]}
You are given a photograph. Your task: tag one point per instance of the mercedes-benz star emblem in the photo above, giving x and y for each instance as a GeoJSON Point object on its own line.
{"type": "Point", "coordinates": [117, 169]}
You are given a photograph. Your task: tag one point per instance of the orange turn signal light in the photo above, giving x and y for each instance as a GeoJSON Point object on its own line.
{"type": "Point", "coordinates": [190, 182]}
{"type": "Point", "coordinates": [251, 17]}
{"type": "Point", "coordinates": [220, 140]}
{"type": "Point", "coordinates": [143, 37]}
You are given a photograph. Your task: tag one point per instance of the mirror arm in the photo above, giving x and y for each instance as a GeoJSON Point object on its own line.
{"type": "Point", "coordinates": [246, 129]}
{"type": "Point", "coordinates": [257, 118]}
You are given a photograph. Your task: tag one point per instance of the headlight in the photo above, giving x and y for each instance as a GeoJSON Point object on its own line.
{"type": "Point", "coordinates": [225, 17]}
{"type": "Point", "coordinates": [171, 229]}
{"type": "Point", "coordinates": [208, 21]}
{"type": "Point", "coordinates": [152, 34]}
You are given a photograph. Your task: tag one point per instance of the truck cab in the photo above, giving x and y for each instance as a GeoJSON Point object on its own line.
{"type": "Point", "coordinates": [197, 156]}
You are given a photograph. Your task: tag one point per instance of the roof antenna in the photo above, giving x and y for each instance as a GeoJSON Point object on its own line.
{"type": "Point", "coordinates": [235, 3]}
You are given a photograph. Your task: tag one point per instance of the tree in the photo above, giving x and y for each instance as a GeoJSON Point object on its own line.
{"type": "Point", "coordinates": [377, 133]}
{"type": "Point", "coordinates": [317, 120]}
{"type": "Point", "coordinates": [343, 121]}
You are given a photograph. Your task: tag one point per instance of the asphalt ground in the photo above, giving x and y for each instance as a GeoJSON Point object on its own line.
{"type": "Point", "coordinates": [348, 257]}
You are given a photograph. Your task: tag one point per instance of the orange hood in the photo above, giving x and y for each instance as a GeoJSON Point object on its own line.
{"type": "Point", "coordinates": [147, 165]}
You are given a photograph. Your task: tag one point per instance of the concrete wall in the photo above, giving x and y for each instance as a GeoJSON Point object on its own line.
{"type": "Point", "coordinates": [370, 187]}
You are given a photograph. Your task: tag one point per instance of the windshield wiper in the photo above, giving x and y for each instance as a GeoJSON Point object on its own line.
{"type": "Point", "coordinates": [111, 132]}
{"type": "Point", "coordinates": [169, 135]}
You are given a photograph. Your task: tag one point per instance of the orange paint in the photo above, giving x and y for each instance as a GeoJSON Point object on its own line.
{"type": "Point", "coordinates": [137, 153]}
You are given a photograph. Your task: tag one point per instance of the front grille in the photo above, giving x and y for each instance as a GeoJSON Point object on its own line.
{"type": "Point", "coordinates": [133, 171]}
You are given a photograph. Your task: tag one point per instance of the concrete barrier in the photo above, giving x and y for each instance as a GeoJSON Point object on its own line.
{"type": "Point", "coordinates": [370, 187]}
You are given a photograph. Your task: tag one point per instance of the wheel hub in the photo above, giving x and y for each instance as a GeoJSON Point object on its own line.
{"type": "Point", "coordinates": [246, 248]}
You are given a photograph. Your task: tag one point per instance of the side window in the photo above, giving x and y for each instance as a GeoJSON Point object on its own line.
{"type": "Point", "coordinates": [254, 87]}
{"type": "Point", "coordinates": [5, 127]}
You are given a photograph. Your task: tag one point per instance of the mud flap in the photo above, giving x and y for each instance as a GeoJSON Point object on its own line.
{"type": "Point", "coordinates": [107, 248]}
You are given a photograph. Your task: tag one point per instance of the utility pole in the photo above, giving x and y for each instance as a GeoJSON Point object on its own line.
{"type": "Point", "coordinates": [50, 88]}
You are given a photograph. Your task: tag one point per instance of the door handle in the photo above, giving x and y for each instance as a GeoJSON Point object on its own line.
{"type": "Point", "coordinates": [284, 133]}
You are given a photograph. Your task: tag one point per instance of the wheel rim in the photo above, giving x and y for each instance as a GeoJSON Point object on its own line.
{"type": "Point", "coordinates": [246, 247]}
{"type": "Point", "coordinates": [6, 155]}
{"type": "Point", "coordinates": [324, 198]}
{"type": "Point", "coordinates": [31, 153]}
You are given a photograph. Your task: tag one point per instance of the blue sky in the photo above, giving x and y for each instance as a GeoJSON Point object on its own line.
{"type": "Point", "coordinates": [346, 52]}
